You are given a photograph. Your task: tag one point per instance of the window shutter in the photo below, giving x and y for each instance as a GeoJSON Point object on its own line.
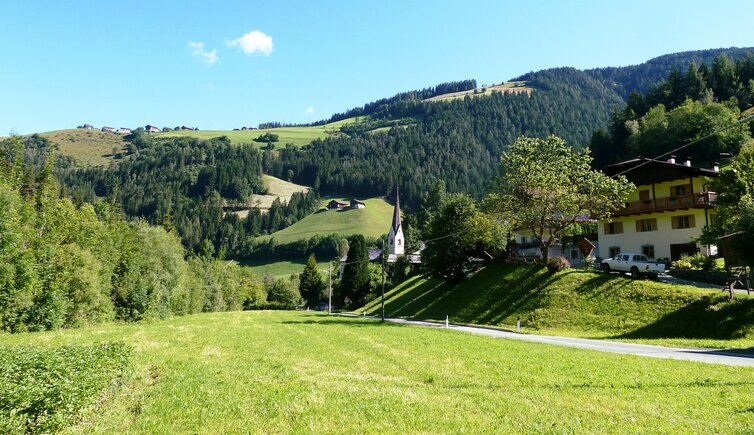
{"type": "Point", "coordinates": [607, 228]}
{"type": "Point", "coordinates": [638, 225]}
{"type": "Point", "coordinates": [692, 222]}
{"type": "Point", "coordinates": [674, 222]}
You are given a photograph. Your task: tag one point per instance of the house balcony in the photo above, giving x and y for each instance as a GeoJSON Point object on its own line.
{"type": "Point", "coordinates": [527, 245]}
{"type": "Point", "coordinates": [697, 200]}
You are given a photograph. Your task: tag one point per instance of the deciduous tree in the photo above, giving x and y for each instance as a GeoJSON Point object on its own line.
{"type": "Point", "coordinates": [546, 186]}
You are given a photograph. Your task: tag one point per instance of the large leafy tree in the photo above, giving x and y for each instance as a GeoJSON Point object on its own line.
{"type": "Point", "coordinates": [547, 186]}
{"type": "Point", "coordinates": [461, 238]}
{"type": "Point", "coordinates": [735, 204]}
{"type": "Point", "coordinates": [310, 284]}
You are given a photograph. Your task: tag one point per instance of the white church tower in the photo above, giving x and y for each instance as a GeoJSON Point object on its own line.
{"type": "Point", "coordinates": [396, 243]}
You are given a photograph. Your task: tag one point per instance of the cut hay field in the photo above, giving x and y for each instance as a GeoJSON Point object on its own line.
{"type": "Point", "coordinates": [372, 221]}
{"type": "Point", "coordinates": [276, 188]}
{"type": "Point", "coordinates": [296, 372]}
{"type": "Point", "coordinates": [504, 88]}
{"type": "Point", "coordinates": [580, 304]}
{"type": "Point", "coordinates": [88, 147]}
{"type": "Point", "coordinates": [298, 136]}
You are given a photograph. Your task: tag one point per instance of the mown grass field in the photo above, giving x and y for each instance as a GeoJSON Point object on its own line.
{"type": "Point", "coordinates": [282, 269]}
{"type": "Point", "coordinates": [298, 136]}
{"type": "Point", "coordinates": [372, 221]}
{"type": "Point", "coordinates": [88, 147]}
{"type": "Point", "coordinates": [580, 303]}
{"type": "Point", "coordinates": [505, 88]}
{"type": "Point", "coordinates": [294, 372]}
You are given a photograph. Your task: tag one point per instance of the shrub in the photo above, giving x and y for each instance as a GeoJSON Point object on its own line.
{"type": "Point", "coordinates": [556, 264]}
{"type": "Point", "coordinates": [42, 390]}
{"type": "Point", "coordinates": [702, 262]}
{"type": "Point", "coordinates": [683, 263]}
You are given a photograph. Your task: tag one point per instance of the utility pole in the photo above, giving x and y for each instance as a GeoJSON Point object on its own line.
{"type": "Point", "coordinates": [329, 286]}
{"type": "Point", "coordinates": [384, 260]}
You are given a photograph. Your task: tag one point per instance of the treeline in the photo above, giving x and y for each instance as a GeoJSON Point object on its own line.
{"type": "Point", "coordinates": [66, 266]}
{"type": "Point", "coordinates": [638, 78]}
{"type": "Point", "coordinates": [685, 106]}
{"type": "Point", "coordinates": [375, 107]}
{"type": "Point", "coordinates": [191, 186]}
{"type": "Point", "coordinates": [458, 142]}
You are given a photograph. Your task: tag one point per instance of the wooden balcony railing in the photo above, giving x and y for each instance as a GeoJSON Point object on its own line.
{"type": "Point", "coordinates": [697, 200]}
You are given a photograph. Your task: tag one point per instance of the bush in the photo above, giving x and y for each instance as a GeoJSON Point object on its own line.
{"type": "Point", "coordinates": [696, 261]}
{"type": "Point", "coordinates": [43, 390]}
{"type": "Point", "coordinates": [556, 264]}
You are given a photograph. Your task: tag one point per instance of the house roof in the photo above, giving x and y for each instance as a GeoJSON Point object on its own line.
{"type": "Point", "coordinates": [397, 212]}
{"type": "Point", "coordinates": [374, 255]}
{"type": "Point", "coordinates": [642, 171]}
{"type": "Point", "coordinates": [357, 201]}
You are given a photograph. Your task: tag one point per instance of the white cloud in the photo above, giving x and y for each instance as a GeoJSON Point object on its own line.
{"type": "Point", "coordinates": [253, 42]}
{"type": "Point", "coordinates": [309, 110]}
{"type": "Point", "coordinates": [204, 56]}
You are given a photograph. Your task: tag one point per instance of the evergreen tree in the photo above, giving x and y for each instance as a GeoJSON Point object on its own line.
{"type": "Point", "coordinates": [310, 284]}
{"type": "Point", "coordinates": [354, 285]}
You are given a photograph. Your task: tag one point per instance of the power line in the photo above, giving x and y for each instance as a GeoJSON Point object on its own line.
{"type": "Point", "coordinates": [740, 121]}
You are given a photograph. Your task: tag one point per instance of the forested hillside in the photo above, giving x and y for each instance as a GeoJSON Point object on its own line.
{"type": "Point", "coordinates": [689, 103]}
{"type": "Point", "coordinates": [458, 142]}
{"type": "Point", "coordinates": [189, 184]}
{"type": "Point", "coordinates": [638, 78]}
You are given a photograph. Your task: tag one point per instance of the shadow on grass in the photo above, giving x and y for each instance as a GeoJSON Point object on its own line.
{"type": "Point", "coordinates": [711, 317]}
{"type": "Point", "coordinates": [339, 321]}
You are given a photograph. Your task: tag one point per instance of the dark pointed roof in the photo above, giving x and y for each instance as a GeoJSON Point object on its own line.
{"type": "Point", "coordinates": [397, 212]}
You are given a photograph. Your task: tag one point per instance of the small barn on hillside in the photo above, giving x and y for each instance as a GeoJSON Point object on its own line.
{"type": "Point", "coordinates": [355, 203]}
{"type": "Point", "coordinates": [336, 205]}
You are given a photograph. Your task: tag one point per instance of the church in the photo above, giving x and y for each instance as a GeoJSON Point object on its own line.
{"type": "Point", "coordinates": [396, 242]}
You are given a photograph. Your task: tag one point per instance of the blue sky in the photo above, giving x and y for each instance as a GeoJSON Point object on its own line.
{"type": "Point", "coordinates": [220, 65]}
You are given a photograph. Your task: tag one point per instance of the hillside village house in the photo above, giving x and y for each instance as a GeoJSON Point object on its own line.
{"type": "Point", "coordinates": [124, 130]}
{"type": "Point", "coordinates": [665, 214]}
{"type": "Point", "coordinates": [526, 245]}
{"type": "Point", "coordinates": [336, 205]}
{"type": "Point", "coordinates": [151, 129]}
{"type": "Point", "coordinates": [355, 203]}
{"type": "Point", "coordinates": [110, 129]}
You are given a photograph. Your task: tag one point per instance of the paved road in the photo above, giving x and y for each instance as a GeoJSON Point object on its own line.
{"type": "Point", "coordinates": [712, 356]}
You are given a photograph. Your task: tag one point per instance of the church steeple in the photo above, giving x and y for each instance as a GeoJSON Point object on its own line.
{"type": "Point", "coordinates": [397, 211]}
{"type": "Point", "coordinates": [395, 239]}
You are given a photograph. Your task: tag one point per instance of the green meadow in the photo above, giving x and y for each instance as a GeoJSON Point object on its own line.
{"type": "Point", "coordinates": [372, 221]}
{"type": "Point", "coordinates": [579, 303]}
{"type": "Point", "coordinates": [298, 136]}
{"type": "Point", "coordinates": [294, 372]}
{"type": "Point", "coordinates": [284, 268]}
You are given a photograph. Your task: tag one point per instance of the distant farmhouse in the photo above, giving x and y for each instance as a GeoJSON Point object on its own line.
{"type": "Point", "coordinates": [124, 130]}
{"type": "Point", "coordinates": [110, 129]}
{"type": "Point", "coordinates": [151, 129]}
{"type": "Point", "coordinates": [336, 205]}
{"type": "Point", "coordinates": [355, 203]}
{"type": "Point", "coordinates": [88, 127]}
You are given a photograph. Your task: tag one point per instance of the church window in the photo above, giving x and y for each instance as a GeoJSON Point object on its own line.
{"type": "Point", "coordinates": [399, 242]}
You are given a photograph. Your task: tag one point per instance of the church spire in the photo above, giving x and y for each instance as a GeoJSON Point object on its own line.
{"type": "Point", "coordinates": [397, 212]}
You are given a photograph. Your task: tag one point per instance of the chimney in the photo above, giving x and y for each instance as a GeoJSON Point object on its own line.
{"type": "Point", "coordinates": [716, 167]}
{"type": "Point", "coordinates": [687, 163]}
{"type": "Point", "coordinates": [671, 159]}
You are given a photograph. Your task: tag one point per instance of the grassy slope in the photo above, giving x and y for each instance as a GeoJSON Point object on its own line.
{"type": "Point", "coordinates": [507, 87]}
{"type": "Point", "coordinates": [372, 221]}
{"type": "Point", "coordinates": [275, 188]}
{"type": "Point", "coordinates": [298, 136]}
{"type": "Point", "coordinates": [580, 303]}
{"type": "Point", "coordinates": [294, 372]}
{"type": "Point", "coordinates": [282, 269]}
{"type": "Point", "coordinates": [88, 147]}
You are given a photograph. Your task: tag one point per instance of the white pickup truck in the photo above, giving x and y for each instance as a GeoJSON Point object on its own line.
{"type": "Point", "coordinates": [637, 264]}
